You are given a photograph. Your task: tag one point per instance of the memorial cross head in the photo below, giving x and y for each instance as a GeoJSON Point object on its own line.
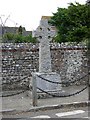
{"type": "Point", "coordinates": [44, 33]}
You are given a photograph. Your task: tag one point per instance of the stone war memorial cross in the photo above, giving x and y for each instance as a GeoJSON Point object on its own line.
{"type": "Point", "coordinates": [44, 33]}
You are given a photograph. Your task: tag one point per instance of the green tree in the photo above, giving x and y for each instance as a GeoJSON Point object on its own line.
{"type": "Point", "coordinates": [8, 37]}
{"type": "Point", "coordinates": [29, 39]}
{"type": "Point", "coordinates": [18, 38]}
{"type": "Point", "coordinates": [24, 39]}
{"type": "Point", "coordinates": [72, 23]}
{"type": "Point", "coordinates": [20, 30]}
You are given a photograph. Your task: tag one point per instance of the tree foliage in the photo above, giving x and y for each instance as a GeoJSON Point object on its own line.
{"type": "Point", "coordinates": [18, 38]}
{"type": "Point", "coordinates": [72, 23]}
{"type": "Point", "coordinates": [20, 30]}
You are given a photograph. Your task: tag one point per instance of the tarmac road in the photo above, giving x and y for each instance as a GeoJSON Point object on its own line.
{"type": "Point", "coordinates": [80, 112]}
{"type": "Point", "coordinates": [23, 102]}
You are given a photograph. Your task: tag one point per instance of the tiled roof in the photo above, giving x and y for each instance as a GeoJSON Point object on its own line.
{"type": "Point", "coordinates": [46, 17]}
{"type": "Point", "coordinates": [7, 29]}
{"type": "Point", "coordinates": [53, 27]}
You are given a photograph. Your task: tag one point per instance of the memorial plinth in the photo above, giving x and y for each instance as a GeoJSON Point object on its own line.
{"type": "Point", "coordinates": [45, 81]}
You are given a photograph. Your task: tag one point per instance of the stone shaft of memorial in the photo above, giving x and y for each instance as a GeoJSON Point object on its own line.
{"type": "Point", "coordinates": [44, 56]}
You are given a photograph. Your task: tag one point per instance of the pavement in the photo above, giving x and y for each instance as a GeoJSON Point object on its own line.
{"type": "Point", "coordinates": [23, 102]}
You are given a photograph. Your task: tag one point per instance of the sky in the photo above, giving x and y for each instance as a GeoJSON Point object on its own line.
{"type": "Point", "coordinates": [28, 12]}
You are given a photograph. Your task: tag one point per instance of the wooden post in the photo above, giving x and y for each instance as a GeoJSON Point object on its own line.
{"type": "Point", "coordinates": [34, 90]}
{"type": "Point", "coordinates": [89, 77]}
{"type": "Point", "coordinates": [88, 56]}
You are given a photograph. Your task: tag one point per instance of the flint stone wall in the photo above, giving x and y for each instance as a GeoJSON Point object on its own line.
{"type": "Point", "coordinates": [20, 60]}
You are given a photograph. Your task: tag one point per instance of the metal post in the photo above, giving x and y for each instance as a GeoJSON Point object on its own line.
{"type": "Point", "coordinates": [34, 90]}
